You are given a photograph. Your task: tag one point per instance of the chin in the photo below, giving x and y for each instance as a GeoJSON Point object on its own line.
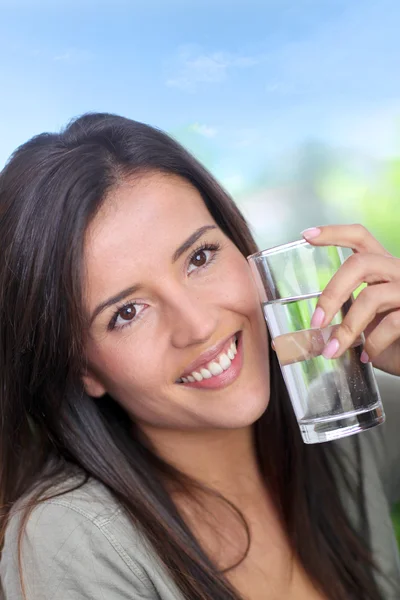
{"type": "Point", "coordinates": [244, 413]}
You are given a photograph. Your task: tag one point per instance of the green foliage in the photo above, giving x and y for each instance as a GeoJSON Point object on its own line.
{"type": "Point", "coordinates": [396, 521]}
{"type": "Point", "coordinates": [380, 207]}
{"type": "Point", "coordinates": [372, 199]}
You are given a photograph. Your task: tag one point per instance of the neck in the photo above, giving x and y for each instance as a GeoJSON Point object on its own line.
{"type": "Point", "coordinates": [224, 460]}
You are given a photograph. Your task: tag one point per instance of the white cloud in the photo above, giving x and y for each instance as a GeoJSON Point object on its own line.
{"type": "Point", "coordinates": [74, 55]}
{"type": "Point", "coordinates": [204, 130]}
{"type": "Point", "coordinates": [195, 67]}
{"type": "Point", "coordinates": [201, 69]}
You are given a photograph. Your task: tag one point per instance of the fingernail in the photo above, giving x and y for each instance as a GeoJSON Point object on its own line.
{"type": "Point", "coordinates": [318, 317]}
{"type": "Point", "coordinates": [272, 345]}
{"type": "Point", "coordinates": [331, 348]}
{"type": "Point", "coordinates": [364, 357]}
{"type": "Point", "coordinates": [311, 233]}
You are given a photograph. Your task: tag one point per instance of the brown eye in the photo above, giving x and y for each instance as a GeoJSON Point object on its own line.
{"type": "Point", "coordinates": [199, 259]}
{"type": "Point", "coordinates": [127, 313]}
{"type": "Point", "coordinates": [203, 257]}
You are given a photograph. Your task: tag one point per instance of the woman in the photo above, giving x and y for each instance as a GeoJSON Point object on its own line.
{"type": "Point", "coordinates": [148, 446]}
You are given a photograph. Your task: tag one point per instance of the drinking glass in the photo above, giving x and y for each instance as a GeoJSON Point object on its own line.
{"type": "Point", "coordinates": [332, 398]}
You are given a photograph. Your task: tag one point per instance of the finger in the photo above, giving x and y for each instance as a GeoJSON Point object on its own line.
{"type": "Point", "coordinates": [371, 302]}
{"type": "Point", "coordinates": [357, 269]}
{"type": "Point", "coordinates": [356, 237]}
{"type": "Point", "coordinates": [305, 344]}
{"type": "Point", "coordinates": [382, 337]}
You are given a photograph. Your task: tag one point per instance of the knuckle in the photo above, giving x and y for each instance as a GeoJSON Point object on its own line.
{"type": "Point", "coordinates": [360, 231]}
{"type": "Point", "coordinates": [356, 261]}
{"type": "Point", "coordinates": [359, 227]}
{"type": "Point", "coordinates": [347, 329]}
{"type": "Point", "coordinates": [368, 297]}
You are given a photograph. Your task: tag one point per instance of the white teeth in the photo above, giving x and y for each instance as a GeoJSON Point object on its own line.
{"type": "Point", "coordinates": [205, 373]}
{"type": "Point", "coordinates": [225, 362]}
{"type": "Point", "coordinates": [215, 368]}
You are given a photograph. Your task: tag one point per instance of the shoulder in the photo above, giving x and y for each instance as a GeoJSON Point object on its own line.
{"type": "Point", "coordinates": [74, 545]}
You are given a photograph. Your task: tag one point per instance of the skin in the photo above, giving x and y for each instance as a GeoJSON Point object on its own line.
{"type": "Point", "coordinates": [376, 310]}
{"type": "Point", "coordinates": [182, 311]}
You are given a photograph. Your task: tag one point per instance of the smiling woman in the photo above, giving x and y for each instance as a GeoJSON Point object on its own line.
{"type": "Point", "coordinates": [190, 292]}
{"type": "Point", "coordinates": [148, 445]}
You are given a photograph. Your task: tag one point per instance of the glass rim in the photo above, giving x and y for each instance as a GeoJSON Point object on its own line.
{"type": "Point", "coordinates": [279, 248]}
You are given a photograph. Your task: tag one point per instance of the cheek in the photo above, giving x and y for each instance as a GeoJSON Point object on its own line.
{"type": "Point", "coordinates": [134, 384]}
{"type": "Point", "coordinates": [238, 287]}
{"type": "Point", "coordinates": [121, 369]}
{"type": "Point", "coordinates": [241, 295]}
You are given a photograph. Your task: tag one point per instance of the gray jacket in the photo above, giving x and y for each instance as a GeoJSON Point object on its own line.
{"type": "Point", "coordinates": [80, 546]}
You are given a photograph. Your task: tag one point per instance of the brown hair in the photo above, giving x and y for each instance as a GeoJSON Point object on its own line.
{"type": "Point", "coordinates": [50, 191]}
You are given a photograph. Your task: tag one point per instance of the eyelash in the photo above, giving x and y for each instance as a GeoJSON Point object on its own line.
{"type": "Point", "coordinates": [215, 248]}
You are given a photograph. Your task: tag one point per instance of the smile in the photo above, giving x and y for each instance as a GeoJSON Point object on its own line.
{"type": "Point", "coordinates": [219, 372]}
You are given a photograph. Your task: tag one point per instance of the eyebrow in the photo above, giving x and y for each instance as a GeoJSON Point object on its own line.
{"type": "Point", "coordinates": [192, 239]}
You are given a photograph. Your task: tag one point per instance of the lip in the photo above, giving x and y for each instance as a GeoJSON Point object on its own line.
{"type": "Point", "coordinates": [208, 355]}
{"type": "Point", "coordinates": [226, 378]}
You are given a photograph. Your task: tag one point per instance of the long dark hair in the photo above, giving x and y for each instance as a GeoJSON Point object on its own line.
{"type": "Point", "coordinates": [50, 191]}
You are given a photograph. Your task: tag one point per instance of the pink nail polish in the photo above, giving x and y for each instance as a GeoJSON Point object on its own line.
{"type": "Point", "coordinates": [318, 317]}
{"type": "Point", "coordinates": [331, 348]}
{"type": "Point", "coordinates": [311, 233]}
{"type": "Point", "coordinates": [364, 357]}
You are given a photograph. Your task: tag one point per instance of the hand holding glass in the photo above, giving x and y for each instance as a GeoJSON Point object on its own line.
{"type": "Point", "coordinates": [332, 398]}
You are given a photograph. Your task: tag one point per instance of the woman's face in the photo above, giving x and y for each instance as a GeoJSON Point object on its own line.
{"type": "Point", "coordinates": [170, 297]}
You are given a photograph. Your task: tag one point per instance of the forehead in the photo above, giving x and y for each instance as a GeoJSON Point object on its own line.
{"type": "Point", "coordinates": [145, 208]}
{"type": "Point", "coordinates": [140, 221]}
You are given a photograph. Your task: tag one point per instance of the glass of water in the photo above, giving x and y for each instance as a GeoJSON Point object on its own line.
{"type": "Point", "coordinates": [332, 398]}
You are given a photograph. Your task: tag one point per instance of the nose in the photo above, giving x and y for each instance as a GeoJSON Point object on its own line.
{"type": "Point", "coordinates": [193, 318]}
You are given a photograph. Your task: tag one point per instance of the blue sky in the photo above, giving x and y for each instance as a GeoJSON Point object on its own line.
{"type": "Point", "coordinates": [238, 81]}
